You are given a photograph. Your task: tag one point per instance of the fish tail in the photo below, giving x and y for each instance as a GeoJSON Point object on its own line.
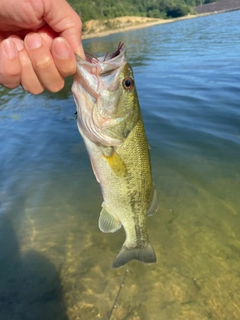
{"type": "Point", "coordinates": [146, 255]}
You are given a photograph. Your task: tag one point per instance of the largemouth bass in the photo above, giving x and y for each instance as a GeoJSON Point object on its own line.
{"type": "Point", "coordinates": [110, 122]}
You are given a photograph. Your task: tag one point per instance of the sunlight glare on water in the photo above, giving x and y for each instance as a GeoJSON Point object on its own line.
{"type": "Point", "coordinates": [53, 258]}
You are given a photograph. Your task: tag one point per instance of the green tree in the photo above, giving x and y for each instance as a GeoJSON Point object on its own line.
{"type": "Point", "coordinates": [101, 9]}
{"type": "Point", "coordinates": [178, 10]}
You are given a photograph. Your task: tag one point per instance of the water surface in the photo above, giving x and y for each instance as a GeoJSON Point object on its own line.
{"type": "Point", "coordinates": [54, 261]}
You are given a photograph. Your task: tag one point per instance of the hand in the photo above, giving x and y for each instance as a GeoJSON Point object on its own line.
{"type": "Point", "coordinates": [38, 39]}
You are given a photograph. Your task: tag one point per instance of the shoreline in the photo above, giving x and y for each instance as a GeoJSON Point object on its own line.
{"type": "Point", "coordinates": [139, 25]}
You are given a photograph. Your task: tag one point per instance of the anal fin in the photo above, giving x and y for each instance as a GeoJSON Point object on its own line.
{"type": "Point", "coordinates": [108, 223]}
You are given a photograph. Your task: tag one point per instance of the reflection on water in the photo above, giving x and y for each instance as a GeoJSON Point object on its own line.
{"type": "Point", "coordinates": [54, 261]}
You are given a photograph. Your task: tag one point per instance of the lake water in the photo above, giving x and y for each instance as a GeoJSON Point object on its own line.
{"type": "Point", "coordinates": [54, 261]}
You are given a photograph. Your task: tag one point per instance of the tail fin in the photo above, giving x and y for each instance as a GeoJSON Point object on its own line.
{"type": "Point", "coordinates": [146, 255]}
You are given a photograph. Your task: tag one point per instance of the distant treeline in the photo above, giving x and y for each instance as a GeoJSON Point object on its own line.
{"type": "Point", "coordinates": [107, 9]}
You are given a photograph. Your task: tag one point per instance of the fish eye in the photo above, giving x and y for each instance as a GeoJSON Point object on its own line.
{"type": "Point", "coordinates": [128, 83]}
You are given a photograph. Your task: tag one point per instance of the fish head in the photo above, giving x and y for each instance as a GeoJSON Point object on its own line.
{"type": "Point", "coordinates": [106, 98]}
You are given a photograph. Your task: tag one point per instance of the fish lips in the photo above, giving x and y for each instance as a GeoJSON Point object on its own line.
{"type": "Point", "coordinates": [97, 77]}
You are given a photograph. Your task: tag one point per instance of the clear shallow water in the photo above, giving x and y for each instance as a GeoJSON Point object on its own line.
{"type": "Point", "coordinates": [54, 261]}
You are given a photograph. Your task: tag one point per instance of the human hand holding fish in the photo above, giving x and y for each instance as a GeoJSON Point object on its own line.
{"type": "Point", "coordinates": [38, 40]}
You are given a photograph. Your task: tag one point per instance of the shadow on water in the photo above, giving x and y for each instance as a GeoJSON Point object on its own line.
{"type": "Point", "coordinates": [30, 285]}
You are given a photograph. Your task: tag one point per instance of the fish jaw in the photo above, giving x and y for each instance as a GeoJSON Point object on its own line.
{"type": "Point", "coordinates": [96, 95]}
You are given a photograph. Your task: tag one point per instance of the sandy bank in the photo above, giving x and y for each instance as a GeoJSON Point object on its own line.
{"type": "Point", "coordinates": [97, 28]}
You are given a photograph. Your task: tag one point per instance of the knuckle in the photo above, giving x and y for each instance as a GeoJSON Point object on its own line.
{"type": "Point", "coordinates": [57, 86]}
{"type": "Point", "coordinates": [44, 63]}
{"type": "Point", "coordinates": [11, 85]}
{"type": "Point", "coordinates": [77, 22]}
{"type": "Point", "coordinates": [34, 89]}
{"type": "Point", "coordinates": [11, 73]}
{"type": "Point", "coordinates": [68, 72]}
{"type": "Point", "coordinates": [10, 80]}
{"type": "Point", "coordinates": [67, 67]}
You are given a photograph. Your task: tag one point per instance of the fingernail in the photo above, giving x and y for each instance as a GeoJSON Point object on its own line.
{"type": "Point", "coordinates": [33, 41]}
{"type": "Point", "coordinates": [10, 49]}
{"type": "Point", "coordinates": [61, 48]}
{"type": "Point", "coordinates": [19, 43]}
{"type": "Point", "coordinates": [81, 53]}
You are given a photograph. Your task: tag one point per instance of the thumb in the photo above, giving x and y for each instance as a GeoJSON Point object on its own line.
{"type": "Point", "coordinates": [61, 17]}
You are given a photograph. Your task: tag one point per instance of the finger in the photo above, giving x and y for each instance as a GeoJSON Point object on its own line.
{"type": "Point", "coordinates": [47, 34]}
{"type": "Point", "coordinates": [43, 63]}
{"type": "Point", "coordinates": [29, 79]}
{"type": "Point", "coordinates": [10, 66]}
{"type": "Point", "coordinates": [64, 57]}
{"type": "Point", "coordinates": [61, 17]}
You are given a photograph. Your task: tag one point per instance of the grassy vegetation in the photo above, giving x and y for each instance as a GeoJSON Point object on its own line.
{"type": "Point", "coordinates": [107, 9]}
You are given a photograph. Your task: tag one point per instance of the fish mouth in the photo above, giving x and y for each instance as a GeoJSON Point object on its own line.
{"type": "Point", "coordinates": [94, 60]}
{"type": "Point", "coordinates": [105, 64]}
{"type": "Point", "coordinates": [98, 74]}
{"type": "Point", "coordinates": [96, 81]}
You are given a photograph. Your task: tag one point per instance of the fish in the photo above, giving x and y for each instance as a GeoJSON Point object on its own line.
{"type": "Point", "coordinates": [110, 122]}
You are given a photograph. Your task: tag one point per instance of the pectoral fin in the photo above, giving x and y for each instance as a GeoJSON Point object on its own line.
{"type": "Point", "coordinates": [108, 223]}
{"type": "Point", "coordinates": [116, 164]}
{"type": "Point", "coordinates": [154, 204]}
